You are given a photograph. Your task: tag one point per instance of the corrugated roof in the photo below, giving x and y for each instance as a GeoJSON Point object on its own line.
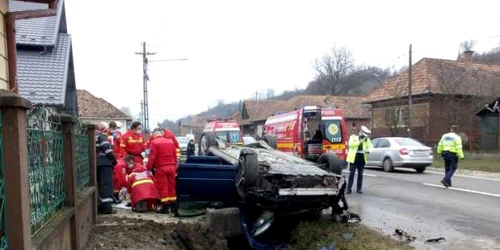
{"type": "Point", "coordinates": [439, 76]}
{"type": "Point", "coordinates": [36, 31]}
{"type": "Point", "coordinates": [90, 106]}
{"type": "Point", "coordinates": [42, 76]}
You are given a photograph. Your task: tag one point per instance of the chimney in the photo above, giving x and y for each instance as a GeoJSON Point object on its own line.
{"type": "Point", "coordinates": [467, 58]}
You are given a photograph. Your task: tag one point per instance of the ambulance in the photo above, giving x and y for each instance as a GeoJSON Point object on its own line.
{"type": "Point", "coordinates": [224, 130]}
{"type": "Point", "coordinates": [309, 132]}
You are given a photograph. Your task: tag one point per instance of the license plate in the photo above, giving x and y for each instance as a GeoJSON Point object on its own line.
{"type": "Point", "coordinates": [419, 152]}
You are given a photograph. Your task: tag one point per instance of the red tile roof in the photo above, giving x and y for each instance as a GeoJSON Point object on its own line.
{"type": "Point", "coordinates": [90, 106]}
{"type": "Point", "coordinates": [439, 76]}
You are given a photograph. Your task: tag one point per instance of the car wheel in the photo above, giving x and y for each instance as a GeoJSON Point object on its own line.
{"type": "Point", "coordinates": [270, 140]}
{"type": "Point", "coordinates": [332, 163]}
{"type": "Point", "coordinates": [247, 172]}
{"type": "Point", "coordinates": [207, 140]}
{"type": "Point", "coordinates": [420, 170]}
{"type": "Point", "coordinates": [387, 165]}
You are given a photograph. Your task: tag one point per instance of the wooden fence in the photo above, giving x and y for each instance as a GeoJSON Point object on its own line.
{"type": "Point", "coordinates": [47, 177]}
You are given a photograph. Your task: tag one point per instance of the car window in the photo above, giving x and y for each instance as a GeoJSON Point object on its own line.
{"type": "Point", "coordinates": [384, 143]}
{"type": "Point", "coordinates": [333, 131]}
{"type": "Point", "coordinates": [182, 140]}
{"type": "Point", "coordinates": [375, 143]}
{"type": "Point", "coordinates": [408, 142]}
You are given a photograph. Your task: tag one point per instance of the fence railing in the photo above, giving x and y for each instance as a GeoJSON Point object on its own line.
{"type": "Point", "coordinates": [3, 238]}
{"type": "Point", "coordinates": [82, 156]}
{"type": "Point", "coordinates": [46, 166]}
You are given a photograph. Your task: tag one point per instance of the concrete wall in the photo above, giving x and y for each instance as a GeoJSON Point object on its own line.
{"type": "Point", "coordinates": [4, 72]}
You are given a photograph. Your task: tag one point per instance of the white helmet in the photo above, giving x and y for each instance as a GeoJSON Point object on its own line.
{"type": "Point", "coordinates": [102, 126]}
{"type": "Point", "coordinates": [118, 124]}
{"type": "Point", "coordinates": [365, 131]}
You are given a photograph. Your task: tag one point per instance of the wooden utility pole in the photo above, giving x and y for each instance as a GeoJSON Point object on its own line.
{"type": "Point", "coordinates": [409, 93]}
{"type": "Point", "coordinates": [145, 79]}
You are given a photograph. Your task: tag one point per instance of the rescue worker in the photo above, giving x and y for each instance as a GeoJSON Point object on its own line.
{"type": "Point", "coordinates": [191, 147]}
{"type": "Point", "coordinates": [359, 147]}
{"type": "Point", "coordinates": [115, 136]}
{"type": "Point", "coordinates": [163, 158]}
{"type": "Point", "coordinates": [105, 162]}
{"type": "Point", "coordinates": [450, 148]}
{"type": "Point", "coordinates": [143, 192]}
{"type": "Point", "coordinates": [169, 135]}
{"type": "Point", "coordinates": [133, 143]}
{"type": "Point", "coordinates": [123, 168]}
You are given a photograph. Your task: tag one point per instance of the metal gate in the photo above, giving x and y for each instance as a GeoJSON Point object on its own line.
{"type": "Point", "coordinates": [489, 132]}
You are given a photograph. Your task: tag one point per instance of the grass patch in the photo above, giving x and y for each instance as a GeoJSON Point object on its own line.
{"type": "Point", "coordinates": [322, 233]}
{"type": "Point", "coordinates": [473, 164]}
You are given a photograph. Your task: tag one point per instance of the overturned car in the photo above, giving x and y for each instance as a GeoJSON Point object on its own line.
{"type": "Point", "coordinates": [268, 185]}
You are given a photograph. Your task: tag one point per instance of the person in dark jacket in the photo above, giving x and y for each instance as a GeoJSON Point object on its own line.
{"type": "Point", "coordinates": [190, 148]}
{"type": "Point", "coordinates": [105, 162]}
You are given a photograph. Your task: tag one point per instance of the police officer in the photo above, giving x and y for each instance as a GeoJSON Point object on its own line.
{"type": "Point", "coordinates": [105, 162]}
{"type": "Point", "coordinates": [450, 148]}
{"type": "Point", "coordinates": [359, 147]}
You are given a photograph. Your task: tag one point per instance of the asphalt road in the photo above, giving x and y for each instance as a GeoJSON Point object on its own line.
{"type": "Point", "coordinates": [467, 215]}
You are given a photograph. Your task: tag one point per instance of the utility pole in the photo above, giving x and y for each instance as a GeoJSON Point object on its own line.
{"type": "Point", "coordinates": [142, 111]}
{"type": "Point", "coordinates": [145, 79]}
{"type": "Point", "coordinates": [409, 94]}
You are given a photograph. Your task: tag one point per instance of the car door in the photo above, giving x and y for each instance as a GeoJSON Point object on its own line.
{"type": "Point", "coordinates": [371, 159]}
{"type": "Point", "coordinates": [383, 147]}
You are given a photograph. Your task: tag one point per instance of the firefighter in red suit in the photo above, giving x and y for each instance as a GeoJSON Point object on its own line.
{"type": "Point", "coordinates": [132, 142]}
{"type": "Point", "coordinates": [163, 158]}
{"type": "Point", "coordinates": [143, 192]}
{"type": "Point", "coordinates": [115, 136]}
{"type": "Point", "coordinates": [121, 170]}
{"type": "Point", "coordinates": [169, 135]}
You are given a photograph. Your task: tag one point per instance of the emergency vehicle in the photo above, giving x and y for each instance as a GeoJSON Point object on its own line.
{"type": "Point", "coordinates": [309, 132]}
{"type": "Point", "coordinates": [225, 130]}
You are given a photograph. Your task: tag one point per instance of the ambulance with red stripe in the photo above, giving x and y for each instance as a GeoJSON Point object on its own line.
{"type": "Point", "coordinates": [224, 130]}
{"type": "Point", "coordinates": [309, 133]}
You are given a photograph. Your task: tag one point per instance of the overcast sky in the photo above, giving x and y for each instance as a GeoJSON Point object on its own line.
{"type": "Point", "coordinates": [237, 47]}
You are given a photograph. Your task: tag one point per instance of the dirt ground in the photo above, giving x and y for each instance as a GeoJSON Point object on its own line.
{"type": "Point", "coordinates": [127, 230]}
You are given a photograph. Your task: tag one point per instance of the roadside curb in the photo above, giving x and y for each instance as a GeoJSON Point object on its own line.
{"type": "Point", "coordinates": [466, 172]}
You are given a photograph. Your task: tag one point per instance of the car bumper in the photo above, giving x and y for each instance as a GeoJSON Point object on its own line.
{"type": "Point", "coordinates": [414, 161]}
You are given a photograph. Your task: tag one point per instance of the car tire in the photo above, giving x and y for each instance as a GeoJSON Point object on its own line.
{"type": "Point", "coordinates": [270, 140]}
{"type": "Point", "coordinates": [420, 170]}
{"type": "Point", "coordinates": [332, 162]}
{"type": "Point", "coordinates": [207, 140]}
{"type": "Point", "coordinates": [247, 172]}
{"type": "Point", "coordinates": [387, 165]}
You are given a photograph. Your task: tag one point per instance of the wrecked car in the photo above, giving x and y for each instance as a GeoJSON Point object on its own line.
{"type": "Point", "coordinates": [266, 184]}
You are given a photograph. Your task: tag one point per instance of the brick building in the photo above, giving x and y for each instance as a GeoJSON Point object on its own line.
{"type": "Point", "coordinates": [444, 92]}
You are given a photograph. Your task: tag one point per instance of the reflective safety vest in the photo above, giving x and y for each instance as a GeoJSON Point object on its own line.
{"type": "Point", "coordinates": [451, 142]}
{"type": "Point", "coordinates": [353, 148]}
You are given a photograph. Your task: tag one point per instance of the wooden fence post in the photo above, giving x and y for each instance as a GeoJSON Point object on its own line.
{"type": "Point", "coordinates": [15, 151]}
{"type": "Point", "coordinates": [92, 168]}
{"type": "Point", "coordinates": [68, 128]}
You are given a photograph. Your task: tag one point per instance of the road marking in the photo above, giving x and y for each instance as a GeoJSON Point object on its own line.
{"type": "Point", "coordinates": [464, 176]}
{"type": "Point", "coordinates": [370, 175]}
{"type": "Point", "coordinates": [462, 189]}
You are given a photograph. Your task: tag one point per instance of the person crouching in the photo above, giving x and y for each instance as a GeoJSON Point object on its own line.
{"type": "Point", "coordinates": [142, 189]}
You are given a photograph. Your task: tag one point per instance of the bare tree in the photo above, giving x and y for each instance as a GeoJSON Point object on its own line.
{"type": "Point", "coordinates": [332, 68]}
{"type": "Point", "coordinates": [396, 116]}
{"type": "Point", "coordinates": [270, 94]}
{"type": "Point", "coordinates": [128, 111]}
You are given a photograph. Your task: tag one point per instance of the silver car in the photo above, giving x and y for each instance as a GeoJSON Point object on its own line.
{"type": "Point", "coordinates": [404, 152]}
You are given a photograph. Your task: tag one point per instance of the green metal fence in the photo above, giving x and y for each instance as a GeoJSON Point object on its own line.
{"type": "Point", "coordinates": [3, 239]}
{"type": "Point", "coordinates": [46, 166]}
{"type": "Point", "coordinates": [82, 156]}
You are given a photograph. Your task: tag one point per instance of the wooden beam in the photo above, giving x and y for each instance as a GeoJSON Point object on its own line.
{"type": "Point", "coordinates": [34, 13]}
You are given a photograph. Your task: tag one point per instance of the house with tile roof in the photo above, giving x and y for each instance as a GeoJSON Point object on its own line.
{"type": "Point", "coordinates": [444, 93]}
{"type": "Point", "coordinates": [254, 113]}
{"type": "Point", "coordinates": [45, 68]}
{"type": "Point", "coordinates": [93, 109]}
